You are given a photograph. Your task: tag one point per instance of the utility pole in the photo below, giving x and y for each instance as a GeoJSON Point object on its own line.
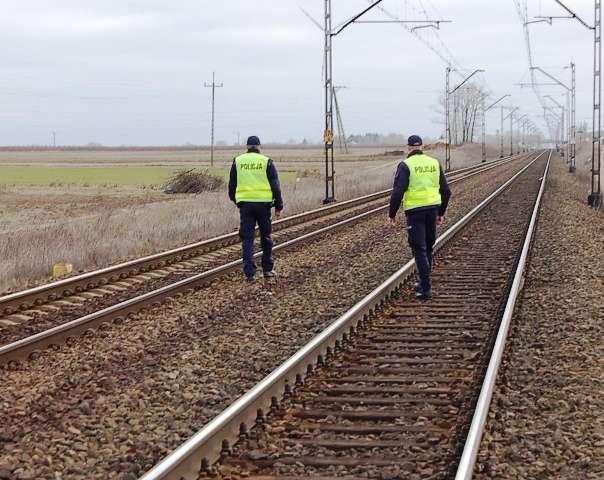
{"type": "Point", "coordinates": [519, 132]}
{"type": "Point", "coordinates": [483, 125]}
{"type": "Point", "coordinates": [569, 128]}
{"type": "Point", "coordinates": [447, 121]}
{"type": "Point", "coordinates": [573, 126]}
{"type": "Point", "coordinates": [512, 132]}
{"type": "Point", "coordinates": [213, 86]}
{"type": "Point", "coordinates": [524, 129]}
{"type": "Point", "coordinates": [54, 139]}
{"type": "Point", "coordinates": [501, 139]}
{"type": "Point", "coordinates": [511, 115]}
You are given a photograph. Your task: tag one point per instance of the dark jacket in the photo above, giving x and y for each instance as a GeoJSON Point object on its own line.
{"type": "Point", "coordinates": [273, 179]}
{"type": "Point", "coordinates": [401, 183]}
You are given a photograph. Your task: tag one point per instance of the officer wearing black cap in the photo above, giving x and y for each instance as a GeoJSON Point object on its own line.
{"type": "Point", "coordinates": [421, 187]}
{"type": "Point", "coordinates": [254, 187]}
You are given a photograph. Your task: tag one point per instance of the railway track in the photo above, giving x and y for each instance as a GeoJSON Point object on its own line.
{"type": "Point", "coordinates": [188, 257]}
{"type": "Point", "coordinates": [392, 389]}
{"type": "Point", "coordinates": [44, 321]}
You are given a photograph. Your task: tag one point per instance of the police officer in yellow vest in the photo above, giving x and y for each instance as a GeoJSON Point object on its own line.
{"type": "Point", "coordinates": [254, 187]}
{"type": "Point", "coordinates": [421, 187]}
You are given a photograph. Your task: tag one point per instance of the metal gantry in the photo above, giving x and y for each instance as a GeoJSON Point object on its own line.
{"type": "Point", "coordinates": [595, 197]}
{"type": "Point", "coordinates": [328, 133]}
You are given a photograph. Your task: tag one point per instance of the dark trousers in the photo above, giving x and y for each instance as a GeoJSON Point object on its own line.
{"type": "Point", "coordinates": [421, 230]}
{"type": "Point", "coordinates": [251, 213]}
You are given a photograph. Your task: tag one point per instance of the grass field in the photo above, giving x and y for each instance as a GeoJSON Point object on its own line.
{"type": "Point", "coordinates": [44, 176]}
{"type": "Point", "coordinates": [63, 176]}
{"type": "Point", "coordinates": [93, 208]}
{"type": "Point", "coordinates": [151, 169]}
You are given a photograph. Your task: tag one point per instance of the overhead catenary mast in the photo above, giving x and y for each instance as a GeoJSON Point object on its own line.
{"type": "Point", "coordinates": [448, 94]}
{"type": "Point", "coordinates": [595, 197]}
{"type": "Point", "coordinates": [484, 110]}
{"type": "Point", "coordinates": [328, 85]}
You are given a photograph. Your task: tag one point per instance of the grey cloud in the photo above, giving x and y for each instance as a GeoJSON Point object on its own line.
{"type": "Point", "coordinates": [132, 71]}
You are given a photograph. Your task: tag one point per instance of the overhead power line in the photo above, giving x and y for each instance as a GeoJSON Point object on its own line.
{"type": "Point", "coordinates": [522, 9]}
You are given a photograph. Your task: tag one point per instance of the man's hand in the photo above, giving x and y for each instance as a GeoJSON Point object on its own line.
{"type": "Point", "coordinates": [277, 213]}
{"type": "Point", "coordinates": [440, 220]}
{"type": "Point", "coordinates": [392, 220]}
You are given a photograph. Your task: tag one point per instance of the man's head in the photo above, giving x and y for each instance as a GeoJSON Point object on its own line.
{"type": "Point", "coordinates": [253, 141]}
{"type": "Point", "coordinates": [415, 142]}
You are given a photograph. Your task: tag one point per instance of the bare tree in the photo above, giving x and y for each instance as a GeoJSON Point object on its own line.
{"type": "Point", "coordinates": [464, 106]}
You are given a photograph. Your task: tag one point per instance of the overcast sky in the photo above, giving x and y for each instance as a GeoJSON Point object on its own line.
{"type": "Point", "coordinates": [132, 72]}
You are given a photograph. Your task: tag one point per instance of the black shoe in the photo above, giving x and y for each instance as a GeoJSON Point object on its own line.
{"type": "Point", "coordinates": [424, 295]}
{"type": "Point", "coordinates": [270, 274]}
{"type": "Point", "coordinates": [250, 279]}
{"type": "Point", "coordinates": [417, 287]}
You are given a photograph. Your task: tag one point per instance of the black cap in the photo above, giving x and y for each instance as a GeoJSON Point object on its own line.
{"type": "Point", "coordinates": [253, 140]}
{"type": "Point", "coordinates": [415, 141]}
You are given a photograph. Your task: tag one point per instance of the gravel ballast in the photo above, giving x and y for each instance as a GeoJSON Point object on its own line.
{"type": "Point", "coordinates": [113, 404]}
{"type": "Point", "coordinates": [546, 419]}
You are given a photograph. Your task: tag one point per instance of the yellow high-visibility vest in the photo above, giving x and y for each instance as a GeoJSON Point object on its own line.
{"type": "Point", "coordinates": [424, 182]}
{"type": "Point", "coordinates": [252, 181]}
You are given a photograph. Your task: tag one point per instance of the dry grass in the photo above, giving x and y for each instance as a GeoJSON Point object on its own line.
{"type": "Point", "coordinates": [115, 234]}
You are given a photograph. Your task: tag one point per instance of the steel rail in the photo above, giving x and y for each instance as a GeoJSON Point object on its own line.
{"type": "Point", "coordinates": [204, 448]}
{"type": "Point", "coordinates": [21, 349]}
{"type": "Point", "coordinates": [54, 290]}
{"type": "Point", "coordinates": [157, 258]}
{"type": "Point", "coordinates": [470, 451]}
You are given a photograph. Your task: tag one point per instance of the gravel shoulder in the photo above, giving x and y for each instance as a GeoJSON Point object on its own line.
{"type": "Point", "coordinates": [547, 420]}
{"type": "Point", "coordinates": [114, 403]}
